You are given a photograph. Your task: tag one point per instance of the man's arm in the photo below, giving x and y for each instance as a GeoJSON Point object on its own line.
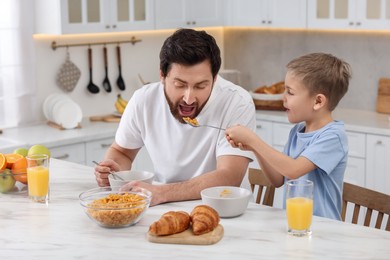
{"type": "Point", "coordinates": [116, 159]}
{"type": "Point", "coordinates": [230, 171]}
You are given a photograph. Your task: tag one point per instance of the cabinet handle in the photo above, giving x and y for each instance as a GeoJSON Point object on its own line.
{"type": "Point", "coordinates": [263, 22]}
{"type": "Point", "coordinates": [193, 22]}
{"type": "Point", "coordinates": [64, 156]}
{"type": "Point", "coordinates": [188, 22]}
{"type": "Point", "coordinates": [258, 126]}
{"type": "Point", "coordinates": [107, 27]}
{"type": "Point", "coordinates": [379, 142]}
{"type": "Point", "coordinates": [358, 23]}
{"type": "Point", "coordinates": [114, 26]}
{"type": "Point", "coordinates": [105, 145]}
{"type": "Point", "coordinates": [350, 23]}
{"type": "Point", "coordinates": [269, 22]}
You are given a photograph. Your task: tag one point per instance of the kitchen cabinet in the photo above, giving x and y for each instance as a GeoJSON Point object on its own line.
{"type": "Point", "coordinates": [349, 14]}
{"type": "Point", "coordinates": [378, 163]}
{"type": "Point", "coordinates": [170, 14]}
{"type": "Point", "coordinates": [93, 16]}
{"type": "Point", "coordinates": [269, 13]}
{"type": "Point", "coordinates": [72, 152]}
{"type": "Point", "coordinates": [96, 150]}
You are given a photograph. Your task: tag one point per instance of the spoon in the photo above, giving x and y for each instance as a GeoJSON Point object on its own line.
{"type": "Point", "coordinates": [194, 123]}
{"type": "Point", "coordinates": [91, 87]}
{"type": "Point", "coordinates": [116, 176]}
{"type": "Point", "coordinates": [120, 82]}
{"type": "Point", "coordinates": [106, 82]}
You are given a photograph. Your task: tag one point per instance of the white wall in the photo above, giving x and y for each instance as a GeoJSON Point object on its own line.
{"type": "Point", "coordinates": [143, 58]}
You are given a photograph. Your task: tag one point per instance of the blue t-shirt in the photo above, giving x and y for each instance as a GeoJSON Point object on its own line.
{"type": "Point", "coordinates": [327, 148]}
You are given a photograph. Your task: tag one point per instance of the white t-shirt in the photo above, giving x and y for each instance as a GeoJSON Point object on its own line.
{"type": "Point", "coordinates": [179, 151]}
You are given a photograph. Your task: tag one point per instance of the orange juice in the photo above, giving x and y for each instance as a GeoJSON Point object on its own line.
{"type": "Point", "coordinates": [38, 181]}
{"type": "Point", "coordinates": [299, 213]}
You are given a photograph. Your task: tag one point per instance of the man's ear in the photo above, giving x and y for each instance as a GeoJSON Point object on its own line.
{"type": "Point", "coordinates": [320, 101]}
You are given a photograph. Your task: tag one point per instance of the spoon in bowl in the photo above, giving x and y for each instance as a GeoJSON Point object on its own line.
{"type": "Point", "coordinates": [116, 176]}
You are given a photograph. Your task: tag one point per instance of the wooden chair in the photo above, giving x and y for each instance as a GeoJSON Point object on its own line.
{"type": "Point", "coordinates": [372, 200]}
{"type": "Point", "coordinates": [257, 178]}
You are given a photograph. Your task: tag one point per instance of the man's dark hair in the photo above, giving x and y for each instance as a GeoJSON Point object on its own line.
{"type": "Point", "coordinates": [190, 47]}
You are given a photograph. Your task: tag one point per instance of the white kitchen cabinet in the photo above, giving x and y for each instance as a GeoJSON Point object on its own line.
{"type": "Point", "coordinates": [72, 152]}
{"type": "Point", "coordinates": [378, 163]}
{"type": "Point", "coordinates": [96, 150]}
{"type": "Point", "coordinates": [269, 13]}
{"type": "Point", "coordinates": [348, 14]}
{"type": "Point", "coordinates": [171, 14]}
{"type": "Point", "coordinates": [280, 135]}
{"type": "Point", "coordinates": [93, 16]}
{"type": "Point", "coordinates": [356, 165]}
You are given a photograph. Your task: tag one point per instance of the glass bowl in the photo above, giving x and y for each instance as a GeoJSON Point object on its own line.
{"type": "Point", "coordinates": [109, 207]}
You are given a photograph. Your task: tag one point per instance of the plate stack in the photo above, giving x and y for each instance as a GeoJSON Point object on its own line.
{"type": "Point", "coordinates": [62, 111]}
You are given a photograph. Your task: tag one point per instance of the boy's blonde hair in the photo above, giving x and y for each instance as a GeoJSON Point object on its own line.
{"type": "Point", "coordinates": [323, 74]}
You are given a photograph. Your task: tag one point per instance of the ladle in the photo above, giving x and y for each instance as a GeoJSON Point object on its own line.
{"type": "Point", "coordinates": [120, 82]}
{"type": "Point", "coordinates": [106, 81]}
{"type": "Point", "coordinates": [91, 87]}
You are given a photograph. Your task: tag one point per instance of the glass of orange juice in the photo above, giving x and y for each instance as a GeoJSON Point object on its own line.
{"type": "Point", "coordinates": [38, 177]}
{"type": "Point", "coordinates": [299, 207]}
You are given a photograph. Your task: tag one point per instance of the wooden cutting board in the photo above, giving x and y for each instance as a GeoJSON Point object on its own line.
{"type": "Point", "coordinates": [383, 98]}
{"type": "Point", "coordinates": [105, 118]}
{"type": "Point", "coordinates": [188, 238]}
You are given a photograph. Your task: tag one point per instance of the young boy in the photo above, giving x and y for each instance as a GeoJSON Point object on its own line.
{"type": "Point", "coordinates": [317, 147]}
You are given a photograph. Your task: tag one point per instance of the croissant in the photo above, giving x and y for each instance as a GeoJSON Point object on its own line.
{"type": "Point", "coordinates": [170, 223]}
{"type": "Point", "coordinates": [204, 219]}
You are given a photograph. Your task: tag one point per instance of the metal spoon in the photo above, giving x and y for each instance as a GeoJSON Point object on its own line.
{"type": "Point", "coordinates": [120, 82]}
{"type": "Point", "coordinates": [91, 87]}
{"type": "Point", "coordinates": [194, 123]}
{"type": "Point", "coordinates": [106, 81]}
{"type": "Point", "coordinates": [116, 176]}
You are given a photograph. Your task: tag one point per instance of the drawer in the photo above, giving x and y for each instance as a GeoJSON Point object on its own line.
{"type": "Point", "coordinates": [72, 153]}
{"type": "Point", "coordinates": [280, 133]}
{"type": "Point", "coordinates": [264, 131]}
{"type": "Point", "coordinates": [356, 144]}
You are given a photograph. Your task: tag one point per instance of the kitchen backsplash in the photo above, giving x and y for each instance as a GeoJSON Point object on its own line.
{"type": "Point", "coordinates": [260, 55]}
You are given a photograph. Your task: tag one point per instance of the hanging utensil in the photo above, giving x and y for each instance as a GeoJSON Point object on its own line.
{"type": "Point", "coordinates": [106, 81]}
{"type": "Point", "coordinates": [68, 75]}
{"type": "Point", "coordinates": [120, 82]}
{"type": "Point", "coordinates": [91, 87]}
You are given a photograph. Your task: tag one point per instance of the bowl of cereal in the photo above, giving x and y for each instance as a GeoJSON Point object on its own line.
{"type": "Point", "coordinates": [109, 207]}
{"type": "Point", "coordinates": [228, 201]}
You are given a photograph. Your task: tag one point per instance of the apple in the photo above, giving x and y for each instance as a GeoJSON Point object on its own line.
{"type": "Point", "coordinates": [22, 151]}
{"type": "Point", "coordinates": [7, 181]}
{"type": "Point", "coordinates": [38, 149]}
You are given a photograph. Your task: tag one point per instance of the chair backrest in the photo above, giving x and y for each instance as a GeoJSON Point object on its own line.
{"type": "Point", "coordinates": [370, 199]}
{"type": "Point", "coordinates": [258, 179]}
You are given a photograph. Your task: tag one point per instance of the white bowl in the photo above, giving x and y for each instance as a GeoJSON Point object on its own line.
{"type": "Point", "coordinates": [130, 176]}
{"type": "Point", "coordinates": [228, 201]}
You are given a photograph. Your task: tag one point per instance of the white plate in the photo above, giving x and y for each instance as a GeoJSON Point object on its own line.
{"type": "Point", "coordinates": [258, 96]}
{"type": "Point", "coordinates": [49, 103]}
{"type": "Point", "coordinates": [67, 113]}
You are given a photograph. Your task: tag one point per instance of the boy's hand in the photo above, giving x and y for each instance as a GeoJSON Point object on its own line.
{"type": "Point", "coordinates": [238, 136]}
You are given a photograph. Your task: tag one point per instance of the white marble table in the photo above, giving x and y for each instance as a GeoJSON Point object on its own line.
{"type": "Point", "coordinates": [61, 230]}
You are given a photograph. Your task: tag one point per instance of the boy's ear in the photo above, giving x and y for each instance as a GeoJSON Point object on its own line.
{"type": "Point", "coordinates": [320, 101]}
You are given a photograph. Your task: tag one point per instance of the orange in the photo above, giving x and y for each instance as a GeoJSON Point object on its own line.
{"type": "Point", "coordinates": [11, 158]}
{"type": "Point", "coordinates": [19, 168]}
{"type": "Point", "coordinates": [3, 162]}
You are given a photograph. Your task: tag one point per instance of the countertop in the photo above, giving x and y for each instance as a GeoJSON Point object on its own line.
{"type": "Point", "coordinates": [61, 230]}
{"type": "Point", "coordinates": [355, 120]}
{"type": "Point", "coordinates": [44, 134]}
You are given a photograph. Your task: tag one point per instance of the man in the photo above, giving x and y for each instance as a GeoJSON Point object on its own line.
{"type": "Point", "coordinates": [186, 159]}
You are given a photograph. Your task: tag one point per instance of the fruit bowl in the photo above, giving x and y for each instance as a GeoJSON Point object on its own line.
{"type": "Point", "coordinates": [12, 182]}
{"type": "Point", "coordinates": [111, 208]}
